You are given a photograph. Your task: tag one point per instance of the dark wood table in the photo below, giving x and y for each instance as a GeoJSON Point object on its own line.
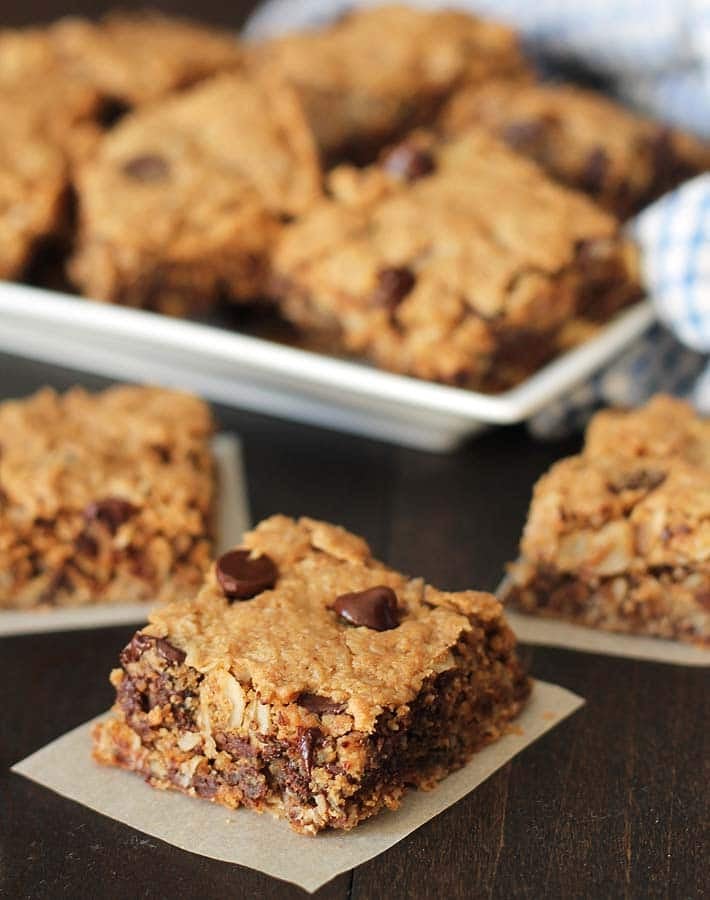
{"type": "Point", "coordinates": [612, 803]}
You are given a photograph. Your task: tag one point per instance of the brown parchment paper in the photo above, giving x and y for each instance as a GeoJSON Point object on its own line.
{"type": "Point", "coordinates": [232, 522]}
{"type": "Point", "coordinates": [260, 841]}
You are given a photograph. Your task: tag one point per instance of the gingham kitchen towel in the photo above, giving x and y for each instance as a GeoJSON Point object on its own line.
{"type": "Point", "coordinates": [658, 54]}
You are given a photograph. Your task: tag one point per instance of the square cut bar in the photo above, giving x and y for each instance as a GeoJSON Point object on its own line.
{"type": "Point", "coordinates": [183, 200]}
{"type": "Point", "coordinates": [378, 72]}
{"type": "Point", "coordinates": [40, 96]}
{"type": "Point", "coordinates": [104, 498]}
{"type": "Point", "coordinates": [618, 537]}
{"type": "Point", "coordinates": [452, 261]}
{"type": "Point", "coordinates": [33, 191]}
{"type": "Point", "coordinates": [310, 681]}
{"type": "Point", "coordinates": [582, 139]}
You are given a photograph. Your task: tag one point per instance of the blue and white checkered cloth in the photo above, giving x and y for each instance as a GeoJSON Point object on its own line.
{"type": "Point", "coordinates": [658, 54]}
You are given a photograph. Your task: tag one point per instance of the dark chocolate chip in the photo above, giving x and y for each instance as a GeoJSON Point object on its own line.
{"type": "Point", "coordinates": [86, 545]}
{"type": "Point", "coordinates": [523, 133]}
{"type": "Point", "coordinates": [306, 746]}
{"type": "Point", "coordinates": [319, 705]}
{"type": "Point", "coordinates": [639, 480]}
{"type": "Point", "coordinates": [111, 112]}
{"type": "Point", "coordinates": [238, 748]}
{"type": "Point", "coordinates": [670, 532]}
{"type": "Point", "coordinates": [595, 169]}
{"type": "Point", "coordinates": [163, 453]}
{"type": "Point", "coordinates": [374, 608]}
{"type": "Point", "coordinates": [242, 576]}
{"type": "Point", "coordinates": [131, 700]}
{"type": "Point", "coordinates": [408, 162]}
{"type": "Point", "coordinates": [111, 512]}
{"type": "Point", "coordinates": [703, 599]}
{"type": "Point", "coordinates": [60, 581]}
{"type": "Point", "coordinates": [169, 653]}
{"type": "Point", "coordinates": [149, 167]}
{"type": "Point", "coordinates": [205, 785]}
{"type": "Point", "coordinates": [393, 285]}
{"type": "Point", "coordinates": [136, 647]}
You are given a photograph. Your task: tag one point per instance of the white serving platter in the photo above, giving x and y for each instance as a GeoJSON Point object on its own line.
{"type": "Point", "coordinates": [257, 374]}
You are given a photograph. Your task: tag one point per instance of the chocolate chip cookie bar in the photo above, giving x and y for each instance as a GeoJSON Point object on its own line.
{"type": "Point", "coordinates": [311, 681]}
{"type": "Point", "coordinates": [33, 189]}
{"type": "Point", "coordinates": [377, 72]}
{"type": "Point", "coordinates": [618, 538]}
{"type": "Point", "coordinates": [453, 261]}
{"type": "Point", "coordinates": [41, 97]}
{"type": "Point", "coordinates": [582, 139]}
{"type": "Point", "coordinates": [138, 57]}
{"type": "Point", "coordinates": [183, 200]}
{"type": "Point", "coordinates": [49, 119]}
{"type": "Point", "coordinates": [104, 498]}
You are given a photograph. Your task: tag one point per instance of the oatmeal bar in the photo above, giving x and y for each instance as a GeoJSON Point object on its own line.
{"type": "Point", "coordinates": [40, 96]}
{"type": "Point", "coordinates": [451, 260]}
{"type": "Point", "coordinates": [33, 192]}
{"type": "Point", "coordinates": [311, 681]}
{"type": "Point", "coordinates": [139, 57]}
{"type": "Point", "coordinates": [618, 537]}
{"type": "Point", "coordinates": [376, 72]}
{"type": "Point", "coordinates": [582, 139]}
{"type": "Point", "coordinates": [183, 200]}
{"type": "Point", "coordinates": [104, 498]}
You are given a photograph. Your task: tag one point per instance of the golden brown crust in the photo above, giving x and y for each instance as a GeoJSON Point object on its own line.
{"type": "Point", "coordinates": [137, 57]}
{"type": "Point", "coordinates": [267, 640]}
{"type": "Point", "coordinates": [582, 139]}
{"type": "Point", "coordinates": [104, 498]}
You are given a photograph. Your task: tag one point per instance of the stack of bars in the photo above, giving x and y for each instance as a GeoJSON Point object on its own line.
{"type": "Point", "coordinates": [420, 202]}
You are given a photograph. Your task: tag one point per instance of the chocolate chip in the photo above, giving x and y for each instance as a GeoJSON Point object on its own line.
{"type": "Point", "coordinates": [111, 112]}
{"type": "Point", "coordinates": [86, 545]}
{"type": "Point", "coordinates": [393, 285]}
{"type": "Point", "coordinates": [60, 581]}
{"type": "Point", "coordinates": [111, 512]}
{"type": "Point", "coordinates": [238, 748]}
{"type": "Point", "coordinates": [205, 785]}
{"type": "Point", "coordinates": [242, 576]}
{"type": "Point", "coordinates": [149, 167]}
{"type": "Point", "coordinates": [374, 608]}
{"type": "Point", "coordinates": [408, 162]}
{"type": "Point", "coordinates": [319, 705]}
{"type": "Point", "coordinates": [163, 453]}
{"type": "Point", "coordinates": [136, 647]}
{"type": "Point", "coordinates": [523, 133]}
{"type": "Point", "coordinates": [306, 746]}
{"type": "Point", "coordinates": [639, 480]}
{"type": "Point", "coordinates": [670, 532]}
{"type": "Point", "coordinates": [169, 653]}
{"type": "Point", "coordinates": [595, 168]}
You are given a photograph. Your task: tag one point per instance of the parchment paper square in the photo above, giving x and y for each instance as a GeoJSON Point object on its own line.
{"type": "Point", "coordinates": [260, 841]}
